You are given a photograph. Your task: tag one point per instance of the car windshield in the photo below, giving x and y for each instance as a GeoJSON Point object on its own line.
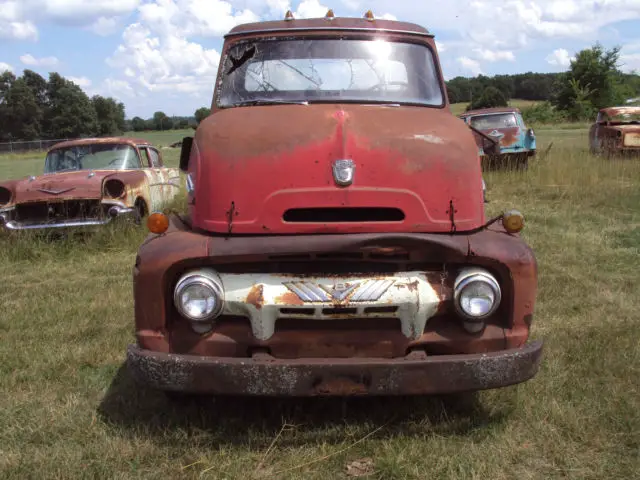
{"type": "Point", "coordinates": [99, 156]}
{"type": "Point", "coordinates": [622, 117]}
{"type": "Point", "coordinates": [329, 70]}
{"type": "Point", "coordinates": [496, 120]}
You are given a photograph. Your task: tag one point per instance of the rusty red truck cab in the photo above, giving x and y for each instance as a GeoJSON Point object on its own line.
{"type": "Point", "coordinates": [336, 240]}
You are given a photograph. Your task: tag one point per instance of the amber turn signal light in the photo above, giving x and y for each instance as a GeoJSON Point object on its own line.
{"type": "Point", "coordinates": [158, 223]}
{"type": "Point", "coordinates": [513, 221]}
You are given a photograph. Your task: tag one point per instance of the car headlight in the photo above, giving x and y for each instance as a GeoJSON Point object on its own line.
{"type": "Point", "coordinates": [199, 296]}
{"type": "Point", "coordinates": [476, 294]}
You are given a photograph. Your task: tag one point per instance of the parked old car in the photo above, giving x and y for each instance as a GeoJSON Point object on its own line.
{"type": "Point", "coordinates": [336, 241]}
{"type": "Point", "coordinates": [90, 182]}
{"type": "Point", "coordinates": [505, 131]}
{"type": "Point", "coordinates": [616, 130]}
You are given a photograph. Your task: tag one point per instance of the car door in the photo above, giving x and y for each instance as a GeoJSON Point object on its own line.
{"type": "Point", "coordinates": [164, 182]}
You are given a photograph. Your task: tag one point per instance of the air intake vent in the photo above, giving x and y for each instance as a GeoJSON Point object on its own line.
{"type": "Point", "coordinates": [343, 215]}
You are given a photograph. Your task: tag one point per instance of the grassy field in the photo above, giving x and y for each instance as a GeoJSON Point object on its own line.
{"type": "Point", "coordinates": [458, 108]}
{"type": "Point", "coordinates": [68, 408]}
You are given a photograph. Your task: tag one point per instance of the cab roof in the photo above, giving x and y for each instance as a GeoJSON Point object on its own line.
{"type": "Point", "coordinates": [88, 141]}
{"type": "Point", "coordinates": [333, 23]}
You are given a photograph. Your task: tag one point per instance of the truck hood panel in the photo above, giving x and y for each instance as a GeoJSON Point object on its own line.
{"type": "Point", "coordinates": [251, 166]}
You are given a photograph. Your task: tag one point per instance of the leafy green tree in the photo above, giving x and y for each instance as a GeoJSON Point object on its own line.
{"type": "Point", "coordinates": [110, 115]}
{"type": "Point", "coordinates": [138, 124]}
{"type": "Point", "coordinates": [491, 97]}
{"type": "Point", "coordinates": [71, 113]}
{"type": "Point", "coordinates": [38, 86]}
{"type": "Point", "coordinates": [590, 84]}
{"type": "Point", "coordinates": [161, 121]}
{"type": "Point", "coordinates": [202, 113]}
{"type": "Point", "coordinates": [21, 114]}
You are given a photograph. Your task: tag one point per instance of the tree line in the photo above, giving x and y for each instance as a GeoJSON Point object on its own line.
{"type": "Point", "coordinates": [593, 81]}
{"type": "Point", "coordinates": [160, 121]}
{"type": "Point", "coordinates": [33, 108]}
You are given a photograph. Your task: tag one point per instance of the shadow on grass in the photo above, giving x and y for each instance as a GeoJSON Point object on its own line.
{"type": "Point", "coordinates": [239, 420]}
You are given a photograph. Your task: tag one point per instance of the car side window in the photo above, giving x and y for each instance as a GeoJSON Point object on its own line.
{"type": "Point", "coordinates": [146, 159]}
{"type": "Point", "coordinates": [154, 156]}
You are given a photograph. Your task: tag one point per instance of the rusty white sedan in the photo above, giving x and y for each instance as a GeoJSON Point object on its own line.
{"type": "Point", "coordinates": [90, 182]}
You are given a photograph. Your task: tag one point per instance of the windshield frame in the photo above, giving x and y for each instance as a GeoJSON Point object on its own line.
{"type": "Point", "coordinates": [309, 35]}
{"type": "Point", "coordinates": [49, 171]}
{"type": "Point", "coordinates": [491, 115]}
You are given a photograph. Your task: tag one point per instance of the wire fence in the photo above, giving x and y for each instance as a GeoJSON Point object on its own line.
{"type": "Point", "coordinates": [28, 145]}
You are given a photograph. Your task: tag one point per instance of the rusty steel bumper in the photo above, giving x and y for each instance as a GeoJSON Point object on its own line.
{"type": "Point", "coordinates": [264, 375]}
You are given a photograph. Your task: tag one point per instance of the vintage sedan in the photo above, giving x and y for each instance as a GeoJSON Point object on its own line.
{"type": "Point", "coordinates": [513, 143]}
{"type": "Point", "coordinates": [616, 130]}
{"type": "Point", "coordinates": [90, 182]}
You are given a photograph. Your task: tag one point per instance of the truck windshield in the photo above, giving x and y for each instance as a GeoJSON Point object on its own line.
{"type": "Point", "coordinates": [100, 156]}
{"type": "Point", "coordinates": [329, 70]}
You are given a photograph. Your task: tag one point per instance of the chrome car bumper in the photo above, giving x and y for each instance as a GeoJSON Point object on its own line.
{"type": "Point", "coordinates": [113, 212]}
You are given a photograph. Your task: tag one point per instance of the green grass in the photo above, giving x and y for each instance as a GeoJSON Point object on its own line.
{"type": "Point", "coordinates": [68, 408]}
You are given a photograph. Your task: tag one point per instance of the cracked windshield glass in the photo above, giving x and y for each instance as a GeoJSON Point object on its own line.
{"type": "Point", "coordinates": [92, 157]}
{"type": "Point", "coordinates": [329, 70]}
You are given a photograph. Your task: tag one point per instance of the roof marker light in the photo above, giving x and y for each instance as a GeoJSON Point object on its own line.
{"type": "Point", "coordinates": [288, 16]}
{"type": "Point", "coordinates": [369, 16]}
{"type": "Point", "coordinates": [330, 14]}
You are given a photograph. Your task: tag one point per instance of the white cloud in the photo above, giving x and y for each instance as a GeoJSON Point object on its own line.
{"type": "Point", "coordinates": [13, 24]}
{"type": "Point", "coordinates": [81, 12]}
{"type": "Point", "coordinates": [104, 26]}
{"type": "Point", "coordinates": [494, 55]}
{"type": "Point", "coordinates": [310, 9]}
{"type": "Point", "coordinates": [207, 18]}
{"type": "Point", "coordinates": [4, 67]}
{"type": "Point", "coordinates": [559, 57]}
{"type": "Point", "coordinates": [470, 65]}
{"type": "Point", "coordinates": [164, 64]}
{"type": "Point", "coordinates": [32, 61]}
{"type": "Point", "coordinates": [82, 82]}
{"type": "Point", "coordinates": [18, 18]}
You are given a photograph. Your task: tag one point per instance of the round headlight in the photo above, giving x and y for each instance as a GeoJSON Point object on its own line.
{"type": "Point", "coordinates": [476, 294]}
{"type": "Point", "coordinates": [199, 296]}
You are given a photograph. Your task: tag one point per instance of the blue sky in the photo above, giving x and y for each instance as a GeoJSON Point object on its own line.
{"type": "Point", "coordinates": [163, 54]}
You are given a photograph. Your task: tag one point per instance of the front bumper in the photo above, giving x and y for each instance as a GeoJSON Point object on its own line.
{"type": "Point", "coordinates": [264, 375]}
{"type": "Point", "coordinates": [114, 212]}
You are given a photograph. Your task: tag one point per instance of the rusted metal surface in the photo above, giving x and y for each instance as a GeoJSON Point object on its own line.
{"type": "Point", "coordinates": [323, 306]}
{"type": "Point", "coordinates": [57, 200]}
{"type": "Point", "coordinates": [309, 377]}
{"type": "Point", "coordinates": [161, 259]}
{"type": "Point", "coordinates": [342, 25]}
{"type": "Point", "coordinates": [616, 130]}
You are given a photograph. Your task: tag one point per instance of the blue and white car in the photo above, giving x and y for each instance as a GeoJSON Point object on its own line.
{"type": "Point", "coordinates": [502, 136]}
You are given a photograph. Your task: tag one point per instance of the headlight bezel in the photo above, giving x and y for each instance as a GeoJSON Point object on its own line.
{"type": "Point", "coordinates": [207, 279]}
{"type": "Point", "coordinates": [466, 278]}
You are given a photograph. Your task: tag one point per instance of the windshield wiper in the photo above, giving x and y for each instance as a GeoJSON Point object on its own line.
{"type": "Point", "coordinates": [269, 102]}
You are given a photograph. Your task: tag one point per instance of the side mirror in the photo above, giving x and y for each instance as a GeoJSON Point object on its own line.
{"type": "Point", "coordinates": [185, 153]}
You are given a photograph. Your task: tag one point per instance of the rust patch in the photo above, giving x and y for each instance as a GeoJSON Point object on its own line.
{"type": "Point", "coordinates": [256, 297]}
{"type": "Point", "coordinates": [288, 298]}
{"type": "Point", "coordinates": [341, 386]}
